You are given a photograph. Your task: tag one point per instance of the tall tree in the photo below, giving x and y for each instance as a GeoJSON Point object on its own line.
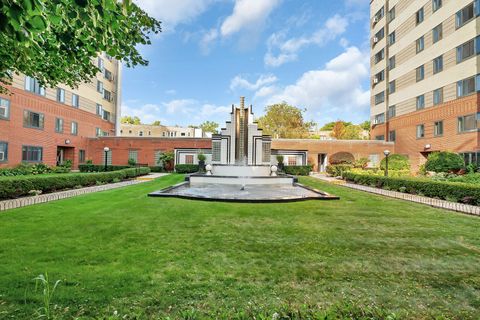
{"type": "Point", "coordinates": [55, 41]}
{"type": "Point", "coordinates": [209, 126]}
{"type": "Point", "coordinates": [338, 130]}
{"type": "Point", "coordinates": [284, 121]}
{"type": "Point", "coordinates": [156, 123]}
{"type": "Point", "coordinates": [130, 120]}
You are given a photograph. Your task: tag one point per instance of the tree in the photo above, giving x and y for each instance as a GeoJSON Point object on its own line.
{"type": "Point", "coordinates": [338, 130]}
{"type": "Point", "coordinates": [130, 120]}
{"type": "Point", "coordinates": [209, 126]}
{"type": "Point", "coordinates": [329, 126]}
{"type": "Point", "coordinates": [55, 41]}
{"type": "Point", "coordinates": [156, 123]}
{"type": "Point", "coordinates": [342, 130]}
{"type": "Point", "coordinates": [284, 121]}
{"type": "Point", "coordinates": [366, 125]}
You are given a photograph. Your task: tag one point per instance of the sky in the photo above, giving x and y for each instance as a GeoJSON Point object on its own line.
{"type": "Point", "coordinates": [313, 54]}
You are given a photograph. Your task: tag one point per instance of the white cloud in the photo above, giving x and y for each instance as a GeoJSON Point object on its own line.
{"type": "Point", "coordinates": [247, 14]}
{"type": "Point", "coordinates": [208, 38]}
{"type": "Point", "coordinates": [147, 113]}
{"type": "Point", "coordinates": [175, 12]}
{"type": "Point", "coordinates": [184, 106]}
{"type": "Point", "coordinates": [241, 83]}
{"type": "Point", "coordinates": [282, 50]}
{"type": "Point", "coordinates": [333, 92]}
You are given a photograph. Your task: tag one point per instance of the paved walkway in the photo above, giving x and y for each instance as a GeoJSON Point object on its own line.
{"type": "Point", "coordinates": [28, 201]}
{"type": "Point", "coordinates": [436, 203]}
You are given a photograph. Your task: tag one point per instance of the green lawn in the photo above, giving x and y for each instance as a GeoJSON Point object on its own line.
{"type": "Point", "coordinates": [150, 257]}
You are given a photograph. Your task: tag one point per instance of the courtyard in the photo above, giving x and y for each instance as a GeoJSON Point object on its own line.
{"type": "Point", "coordinates": [120, 254]}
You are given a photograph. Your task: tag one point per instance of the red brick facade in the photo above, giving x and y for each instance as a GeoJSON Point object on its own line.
{"type": "Point", "coordinates": [16, 135]}
{"type": "Point", "coordinates": [405, 127]}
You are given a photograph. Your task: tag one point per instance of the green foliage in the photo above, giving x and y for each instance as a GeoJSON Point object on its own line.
{"type": "Point", "coordinates": [156, 123]}
{"type": "Point", "coordinates": [342, 158]}
{"type": "Point", "coordinates": [56, 41]}
{"type": "Point", "coordinates": [201, 157]}
{"type": "Point", "coordinates": [14, 187]}
{"type": "Point", "coordinates": [132, 162]}
{"type": "Point", "coordinates": [366, 125]}
{"type": "Point", "coordinates": [48, 290]}
{"type": "Point", "coordinates": [131, 120]}
{"type": "Point", "coordinates": [186, 168]}
{"type": "Point", "coordinates": [462, 192]}
{"type": "Point", "coordinates": [284, 121]}
{"type": "Point", "coordinates": [298, 170]}
{"type": "Point", "coordinates": [361, 163]}
{"type": "Point", "coordinates": [380, 172]}
{"type": "Point", "coordinates": [159, 169]}
{"type": "Point", "coordinates": [99, 168]}
{"type": "Point", "coordinates": [209, 126]}
{"type": "Point", "coordinates": [33, 169]}
{"type": "Point", "coordinates": [444, 161]}
{"type": "Point", "coordinates": [396, 162]}
{"type": "Point", "coordinates": [337, 170]}
{"type": "Point", "coordinates": [280, 158]}
{"type": "Point", "coordinates": [166, 160]}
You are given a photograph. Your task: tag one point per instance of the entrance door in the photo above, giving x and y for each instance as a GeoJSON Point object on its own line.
{"type": "Point", "coordinates": [322, 162]}
{"type": "Point", "coordinates": [60, 156]}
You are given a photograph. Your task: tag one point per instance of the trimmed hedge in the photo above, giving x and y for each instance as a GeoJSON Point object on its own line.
{"type": "Point", "coordinates": [444, 162]}
{"type": "Point", "coordinates": [186, 168]}
{"type": "Point", "coordinates": [450, 191]}
{"type": "Point", "coordinates": [157, 169]}
{"type": "Point", "coordinates": [298, 170]}
{"type": "Point", "coordinates": [14, 187]}
{"type": "Point", "coordinates": [337, 170]}
{"type": "Point", "coordinates": [100, 168]}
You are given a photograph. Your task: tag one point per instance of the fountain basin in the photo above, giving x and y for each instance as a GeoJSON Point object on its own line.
{"type": "Point", "coordinates": [240, 170]}
{"type": "Point", "coordinates": [198, 179]}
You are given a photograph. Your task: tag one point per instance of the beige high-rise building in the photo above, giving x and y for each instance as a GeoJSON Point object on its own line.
{"type": "Point", "coordinates": [424, 84]}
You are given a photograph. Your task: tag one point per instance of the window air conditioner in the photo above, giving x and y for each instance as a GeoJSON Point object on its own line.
{"type": "Point", "coordinates": [2, 156]}
{"type": "Point", "coordinates": [375, 40]}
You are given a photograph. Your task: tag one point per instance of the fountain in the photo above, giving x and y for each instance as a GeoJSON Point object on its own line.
{"type": "Point", "coordinates": [241, 169]}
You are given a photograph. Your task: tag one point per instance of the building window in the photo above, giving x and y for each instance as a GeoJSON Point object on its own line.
{"type": "Point", "coordinates": [81, 156]}
{"type": "Point", "coordinates": [106, 115]}
{"type": "Point", "coordinates": [189, 159]}
{"type": "Point", "coordinates": [380, 34]}
{"type": "Point", "coordinates": [99, 110]}
{"type": "Point", "coordinates": [392, 112]}
{"type": "Point", "coordinates": [107, 95]}
{"type": "Point", "coordinates": [420, 16]}
{"type": "Point", "coordinates": [32, 85]}
{"type": "Point", "coordinates": [3, 151]}
{"type": "Point", "coordinates": [392, 87]}
{"type": "Point", "coordinates": [420, 44]}
{"type": "Point", "coordinates": [438, 96]}
{"type": "Point", "coordinates": [266, 151]}
{"type": "Point", "coordinates": [468, 123]}
{"type": "Point", "coordinates": [420, 102]}
{"type": "Point", "coordinates": [379, 56]}
{"type": "Point", "coordinates": [140, 133]}
{"type": "Point", "coordinates": [466, 87]}
{"type": "Point", "coordinates": [438, 64]}
{"type": "Point", "coordinates": [156, 157]}
{"type": "Point", "coordinates": [182, 134]}
{"type": "Point", "coordinates": [107, 157]}
{"type": "Point", "coordinates": [391, 63]}
{"type": "Point", "coordinates": [436, 4]}
{"type": "Point", "coordinates": [133, 155]}
{"type": "Point", "coordinates": [58, 125]}
{"type": "Point", "coordinates": [466, 50]}
{"type": "Point", "coordinates": [379, 118]}
{"type": "Point", "coordinates": [33, 120]}
{"type": "Point", "coordinates": [4, 109]}
{"type": "Point", "coordinates": [392, 136]}
{"type": "Point", "coordinates": [75, 100]}
{"type": "Point", "coordinates": [420, 131]}
{"type": "Point", "coordinates": [420, 73]}
{"type": "Point", "coordinates": [438, 128]}
{"type": "Point", "coordinates": [32, 154]}
{"type": "Point", "coordinates": [98, 132]}
{"type": "Point", "coordinates": [60, 95]}
{"type": "Point", "coordinates": [379, 77]}
{"type": "Point", "coordinates": [100, 64]}
{"type": "Point", "coordinates": [466, 14]}
{"type": "Point", "coordinates": [107, 75]}
{"type": "Point", "coordinates": [379, 15]}
{"type": "Point", "coordinates": [391, 14]}
{"type": "Point", "coordinates": [380, 137]}
{"type": "Point", "coordinates": [380, 97]}
{"type": "Point", "coordinates": [74, 128]}
{"type": "Point", "coordinates": [437, 33]}
{"type": "Point", "coordinates": [391, 38]}
{"type": "Point", "coordinates": [292, 161]}
{"type": "Point", "coordinates": [216, 150]}
{"type": "Point", "coordinates": [100, 86]}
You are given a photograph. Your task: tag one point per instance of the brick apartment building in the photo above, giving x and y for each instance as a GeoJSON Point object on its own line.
{"type": "Point", "coordinates": [424, 67]}
{"type": "Point", "coordinates": [51, 125]}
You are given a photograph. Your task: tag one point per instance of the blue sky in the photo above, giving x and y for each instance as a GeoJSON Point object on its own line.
{"type": "Point", "coordinates": [310, 53]}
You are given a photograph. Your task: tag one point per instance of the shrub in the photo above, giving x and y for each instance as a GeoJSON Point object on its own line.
{"type": "Point", "coordinates": [361, 163]}
{"type": "Point", "coordinates": [186, 168]}
{"type": "Point", "coordinates": [342, 158]}
{"type": "Point", "coordinates": [298, 170]}
{"type": "Point", "coordinates": [99, 168]}
{"type": "Point", "coordinates": [34, 169]}
{"type": "Point", "coordinates": [280, 158]}
{"type": "Point", "coordinates": [396, 162]}
{"type": "Point", "coordinates": [131, 162]}
{"type": "Point", "coordinates": [157, 169]}
{"type": "Point", "coordinates": [462, 192]}
{"type": "Point", "coordinates": [201, 157]}
{"type": "Point", "coordinates": [14, 187]}
{"type": "Point", "coordinates": [337, 170]}
{"type": "Point", "coordinates": [444, 162]}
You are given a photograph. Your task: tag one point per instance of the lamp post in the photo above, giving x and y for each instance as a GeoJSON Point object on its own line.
{"type": "Point", "coordinates": [386, 153]}
{"type": "Point", "coordinates": [106, 149]}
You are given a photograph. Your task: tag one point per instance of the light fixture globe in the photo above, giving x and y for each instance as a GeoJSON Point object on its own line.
{"type": "Point", "coordinates": [106, 149]}
{"type": "Point", "coordinates": [386, 153]}
{"type": "Point", "coordinates": [209, 168]}
{"type": "Point", "coordinates": [273, 170]}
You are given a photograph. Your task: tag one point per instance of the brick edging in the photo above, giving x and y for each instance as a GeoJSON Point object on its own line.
{"type": "Point", "coordinates": [43, 198]}
{"type": "Point", "coordinates": [436, 203]}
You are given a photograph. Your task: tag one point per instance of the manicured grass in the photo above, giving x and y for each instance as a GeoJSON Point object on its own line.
{"type": "Point", "coordinates": [122, 251]}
